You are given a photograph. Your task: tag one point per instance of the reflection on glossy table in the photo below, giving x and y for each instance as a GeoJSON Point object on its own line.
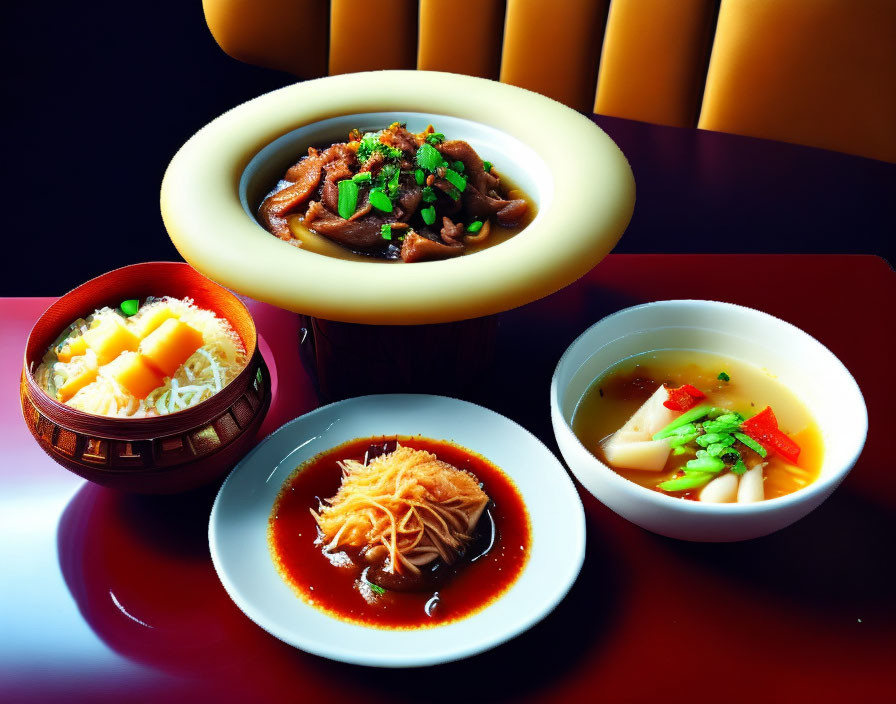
{"type": "Point", "coordinates": [111, 597]}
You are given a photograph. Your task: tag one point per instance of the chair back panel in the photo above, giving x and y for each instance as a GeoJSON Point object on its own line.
{"type": "Point", "coordinates": [369, 35]}
{"type": "Point", "coordinates": [284, 35]}
{"type": "Point", "coordinates": [552, 48]}
{"type": "Point", "coordinates": [461, 36]}
{"type": "Point", "coordinates": [815, 72]}
{"type": "Point", "coordinates": [654, 58]}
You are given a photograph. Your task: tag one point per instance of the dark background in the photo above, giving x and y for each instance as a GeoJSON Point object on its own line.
{"type": "Point", "coordinates": [100, 95]}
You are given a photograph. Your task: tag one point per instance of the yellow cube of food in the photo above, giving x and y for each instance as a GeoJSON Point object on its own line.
{"type": "Point", "coordinates": [170, 345]}
{"type": "Point", "coordinates": [109, 339]}
{"type": "Point", "coordinates": [78, 379]}
{"type": "Point", "coordinates": [73, 348]}
{"type": "Point", "coordinates": [132, 372]}
{"type": "Point", "coordinates": [152, 319]}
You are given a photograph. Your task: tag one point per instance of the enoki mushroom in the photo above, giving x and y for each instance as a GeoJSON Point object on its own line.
{"type": "Point", "coordinates": [407, 506]}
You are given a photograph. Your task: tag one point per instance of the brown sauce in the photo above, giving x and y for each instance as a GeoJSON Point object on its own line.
{"type": "Point", "coordinates": [337, 585]}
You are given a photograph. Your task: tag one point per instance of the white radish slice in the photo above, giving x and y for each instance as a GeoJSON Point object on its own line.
{"type": "Point", "coordinates": [633, 446]}
{"type": "Point", "coordinates": [721, 490]}
{"type": "Point", "coordinates": [652, 416]}
{"type": "Point", "coordinates": [650, 455]}
{"type": "Point", "coordinates": [751, 487]}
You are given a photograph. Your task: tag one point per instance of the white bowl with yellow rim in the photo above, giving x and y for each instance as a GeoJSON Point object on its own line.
{"type": "Point", "coordinates": [579, 180]}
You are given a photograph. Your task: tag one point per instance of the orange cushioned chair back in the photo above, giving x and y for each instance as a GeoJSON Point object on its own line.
{"type": "Point", "coordinates": [817, 72]}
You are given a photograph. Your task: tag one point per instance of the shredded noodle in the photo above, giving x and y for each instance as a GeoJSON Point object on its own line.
{"type": "Point", "coordinates": [408, 505]}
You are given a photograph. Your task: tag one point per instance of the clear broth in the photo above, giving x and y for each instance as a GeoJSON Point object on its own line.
{"type": "Point", "coordinates": [615, 396]}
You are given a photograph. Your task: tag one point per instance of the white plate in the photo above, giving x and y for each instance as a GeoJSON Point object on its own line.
{"type": "Point", "coordinates": [239, 522]}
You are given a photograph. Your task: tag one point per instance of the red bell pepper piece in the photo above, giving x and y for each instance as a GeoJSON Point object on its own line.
{"type": "Point", "coordinates": [683, 398]}
{"type": "Point", "coordinates": [760, 424]}
{"type": "Point", "coordinates": [763, 428]}
{"type": "Point", "coordinates": [785, 447]}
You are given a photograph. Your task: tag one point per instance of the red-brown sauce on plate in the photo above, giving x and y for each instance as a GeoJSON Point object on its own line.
{"type": "Point", "coordinates": [489, 566]}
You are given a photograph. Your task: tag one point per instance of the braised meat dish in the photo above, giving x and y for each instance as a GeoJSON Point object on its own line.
{"type": "Point", "coordinates": [395, 195]}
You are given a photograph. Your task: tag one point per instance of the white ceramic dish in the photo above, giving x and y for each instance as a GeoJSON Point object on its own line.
{"type": "Point", "coordinates": [239, 523]}
{"type": "Point", "coordinates": [802, 363]}
{"type": "Point", "coordinates": [218, 178]}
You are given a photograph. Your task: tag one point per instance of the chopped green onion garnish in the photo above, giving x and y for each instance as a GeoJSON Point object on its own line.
{"type": "Point", "coordinates": [348, 198]}
{"type": "Point", "coordinates": [420, 177]}
{"type": "Point", "coordinates": [428, 157]}
{"type": "Point", "coordinates": [487, 165]}
{"type": "Point", "coordinates": [475, 226]}
{"type": "Point", "coordinates": [429, 215]}
{"type": "Point", "coordinates": [429, 195]}
{"type": "Point", "coordinates": [739, 467]}
{"type": "Point", "coordinates": [458, 166]}
{"type": "Point", "coordinates": [730, 418]}
{"type": "Point", "coordinates": [681, 450]}
{"type": "Point", "coordinates": [724, 377]}
{"type": "Point", "coordinates": [752, 444]}
{"type": "Point", "coordinates": [685, 418]}
{"type": "Point", "coordinates": [455, 179]}
{"type": "Point", "coordinates": [362, 177]}
{"type": "Point", "coordinates": [705, 464]}
{"type": "Point", "coordinates": [679, 440]}
{"type": "Point", "coordinates": [693, 480]}
{"type": "Point", "coordinates": [686, 429]}
{"type": "Point", "coordinates": [715, 438]}
{"type": "Point", "coordinates": [717, 449]}
{"type": "Point", "coordinates": [130, 306]}
{"type": "Point", "coordinates": [435, 138]}
{"type": "Point", "coordinates": [380, 200]}
{"type": "Point", "coordinates": [392, 186]}
{"type": "Point", "coordinates": [386, 231]}
{"type": "Point", "coordinates": [723, 424]}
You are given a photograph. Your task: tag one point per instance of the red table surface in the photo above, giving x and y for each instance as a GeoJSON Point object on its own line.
{"type": "Point", "coordinates": [113, 597]}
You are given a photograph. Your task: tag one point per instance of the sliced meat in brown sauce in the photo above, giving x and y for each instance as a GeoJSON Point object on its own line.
{"type": "Point", "coordinates": [313, 183]}
{"type": "Point", "coordinates": [408, 202]}
{"type": "Point", "coordinates": [451, 233]}
{"type": "Point", "coordinates": [337, 168]}
{"type": "Point", "coordinates": [297, 170]}
{"type": "Point", "coordinates": [398, 137]}
{"type": "Point", "coordinates": [373, 164]}
{"type": "Point", "coordinates": [417, 248]}
{"type": "Point", "coordinates": [361, 235]}
{"type": "Point", "coordinates": [474, 167]}
{"type": "Point", "coordinates": [305, 176]}
{"type": "Point", "coordinates": [363, 208]}
{"type": "Point", "coordinates": [508, 212]}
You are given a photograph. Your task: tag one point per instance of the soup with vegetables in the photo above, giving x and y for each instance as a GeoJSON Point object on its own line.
{"type": "Point", "coordinates": [698, 426]}
{"type": "Point", "coordinates": [142, 360]}
{"type": "Point", "coordinates": [394, 195]}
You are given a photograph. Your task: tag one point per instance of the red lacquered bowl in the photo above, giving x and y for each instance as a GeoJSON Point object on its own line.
{"type": "Point", "coordinates": [163, 454]}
